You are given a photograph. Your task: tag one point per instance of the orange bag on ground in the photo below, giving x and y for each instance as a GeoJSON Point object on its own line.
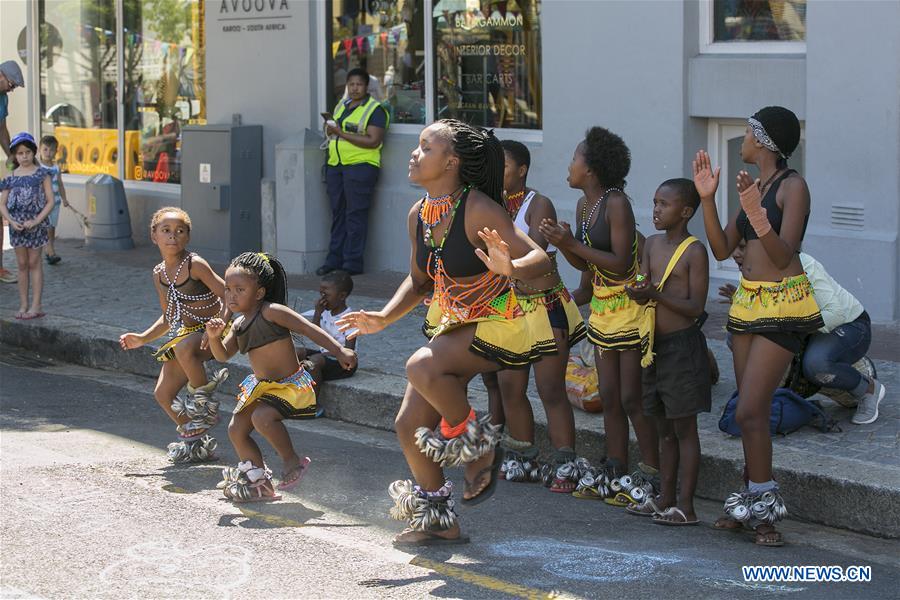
{"type": "Point", "coordinates": [582, 383]}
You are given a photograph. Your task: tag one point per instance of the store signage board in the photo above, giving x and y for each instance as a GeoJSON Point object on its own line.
{"type": "Point", "coordinates": [253, 16]}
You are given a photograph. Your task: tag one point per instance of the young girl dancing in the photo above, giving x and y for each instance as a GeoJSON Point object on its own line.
{"type": "Point", "coordinates": [557, 325]}
{"type": "Point", "coordinates": [190, 294]}
{"type": "Point", "coordinates": [466, 249]}
{"type": "Point", "coordinates": [773, 308]}
{"type": "Point", "coordinates": [25, 202]}
{"type": "Point", "coordinates": [607, 244]}
{"type": "Point", "coordinates": [279, 388]}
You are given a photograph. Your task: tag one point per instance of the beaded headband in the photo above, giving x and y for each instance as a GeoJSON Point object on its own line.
{"type": "Point", "coordinates": [759, 132]}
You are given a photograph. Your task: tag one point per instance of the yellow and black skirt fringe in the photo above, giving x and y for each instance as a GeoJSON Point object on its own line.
{"type": "Point", "coordinates": [166, 352]}
{"type": "Point", "coordinates": [553, 299]}
{"type": "Point", "coordinates": [294, 396]}
{"type": "Point", "coordinates": [769, 307]}
{"type": "Point", "coordinates": [615, 321]}
{"type": "Point", "coordinates": [505, 341]}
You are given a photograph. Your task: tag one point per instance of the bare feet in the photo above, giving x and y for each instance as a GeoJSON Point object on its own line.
{"type": "Point", "coordinates": [728, 524]}
{"type": "Point", "coordinates": [294, 470]}
{"type": "Point", "coordinates": [416, 537]}
{"type": "Point", "coordinates": [767, 535]}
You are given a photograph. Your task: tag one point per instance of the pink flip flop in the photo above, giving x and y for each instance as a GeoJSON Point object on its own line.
{"type": "Point", "coordinates": [31, 315]}
{"type": "Point", "coordinates": [300, 471]}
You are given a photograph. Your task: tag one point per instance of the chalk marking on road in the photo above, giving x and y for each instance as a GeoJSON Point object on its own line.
{"type": "Point", "coordinates": [8, 593]}
{"type": "Point", "coordinates": [399, 557]}
{"type": "Point", "coordinates": [761, 587]}
{"type": "Point", "coordinates": [588, 562]}
{"type": "Point", "coordinates": [485, 581]}
{"type": "Point", "coordinates": [162, 563]}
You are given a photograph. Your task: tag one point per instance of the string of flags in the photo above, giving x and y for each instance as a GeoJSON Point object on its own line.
{"type": "Point", "coordinates": [369, 43]}
{"type": "Point", "coordinates": [133, 38]}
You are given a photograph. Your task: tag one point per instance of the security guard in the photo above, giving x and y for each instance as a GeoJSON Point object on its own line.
{"type": "Point", "coordinates": [354, 161]}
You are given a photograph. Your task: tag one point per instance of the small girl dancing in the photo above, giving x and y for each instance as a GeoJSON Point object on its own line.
{"type": "Point", "coordinates": [278, 388]}
{"type": "Point", "coordinates": [26, 200]}
{"type": "Point", "coordinates": [190, 294]}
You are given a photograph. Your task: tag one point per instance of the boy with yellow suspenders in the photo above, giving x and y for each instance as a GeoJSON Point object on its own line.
{"type": "Point", "coordinates": [676, 375]}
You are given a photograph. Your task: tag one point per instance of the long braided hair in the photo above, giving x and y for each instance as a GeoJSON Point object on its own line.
{"type": "Point", "coordinates": [269, 274]}
{"type": "Point", "coordinates": [480, 155]}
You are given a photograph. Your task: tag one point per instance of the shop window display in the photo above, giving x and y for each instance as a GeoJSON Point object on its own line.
{"type": "Point", "coordinates": [78, 83]}
{"type": "Point", "coordinates": [164, 84]}
{"type": "Point", "coordinates": [759, 20]}
{"type": "Point", "coordinates": [488, 62]}
{"type": "Point", "coordinates": [387, 39]}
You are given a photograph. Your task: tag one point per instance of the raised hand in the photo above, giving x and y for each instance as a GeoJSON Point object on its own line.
{"type": "Point", "coordinates": [748, 188]}
{"type": "Point", "coordinates": [706, 179]}
{"type": "Point", "coordinates": [497, 257]}
{"type": "Point", "coordinates": [130, 341]}
{"type": "Point", "coordinates": [557, 233]}
{"type": "Point", "coordinates": [214, 327]}
{"type": "Point", "coordinates": [360, 323]}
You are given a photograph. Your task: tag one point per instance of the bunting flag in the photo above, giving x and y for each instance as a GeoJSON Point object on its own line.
{"type": "Point", "coordinates": [359, 44]}
{"type": "Point", "coordinates": [348, 46]}
{"type": "Point", "coordinates": [335, 47]}
{"type": "Point", "coordinates": [371, 41]}
{"type": "Point", "coordinates": [384, 38]}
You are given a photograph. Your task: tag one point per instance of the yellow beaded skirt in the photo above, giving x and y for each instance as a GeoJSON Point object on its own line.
{"type": "Point", "coordinates": [294, 396]}
{"type": "Point", "coordinates": [615, 321]}
{"type": "Point", "coordinates": [504, 340]}
{"type": "Point", "coordinates": [770, 307]}
{"type": "Point", "coordinates": [555, 299]}
{"type": "Point", "coordinates": [166, 352]}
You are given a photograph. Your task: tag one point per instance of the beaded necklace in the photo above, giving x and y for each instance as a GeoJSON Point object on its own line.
{"type": "Point", "coordinates": [514, 203]}
{"type": "Point", "coordinates": [434, 210]}
{"type": "Point", "coordinates": [176, 308]}
{"type": "Point", "coordinates": [461, 302]}
{"type": "Point", "coordinates": [601, 276]}
{"type": "Point", "coordinates": [586, 218]}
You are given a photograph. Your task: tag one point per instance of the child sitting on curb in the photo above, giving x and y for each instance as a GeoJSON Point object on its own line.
{"type": "Point", "coordinates": [334, 290]}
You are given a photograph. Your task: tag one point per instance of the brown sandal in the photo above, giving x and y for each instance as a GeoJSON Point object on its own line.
{"type": "Point", "coordinates": [771, 537]}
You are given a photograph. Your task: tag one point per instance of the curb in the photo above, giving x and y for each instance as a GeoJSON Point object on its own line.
{"type": "Point", "coordinates": [841, 493]}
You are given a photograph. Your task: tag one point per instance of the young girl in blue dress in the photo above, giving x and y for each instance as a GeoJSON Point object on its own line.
{"type": "Point", "coordinates": [26, 200]}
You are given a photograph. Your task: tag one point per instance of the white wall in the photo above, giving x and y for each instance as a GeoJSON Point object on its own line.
{"type": "Point", "coordinates": [264, 75]}
{"type": "Point", "coordinates": [853, 145]}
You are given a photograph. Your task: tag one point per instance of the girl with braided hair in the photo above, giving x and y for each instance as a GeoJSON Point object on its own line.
{"type": "Point", "coordinates": [190, 294]}
{"type": "Point", "coordinates": [279, 387]}
{"type": "Point", "coordinates": [466, 252]}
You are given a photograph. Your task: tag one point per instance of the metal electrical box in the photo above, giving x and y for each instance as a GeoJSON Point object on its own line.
{"type": "Point", "coordinates": [221, 171]}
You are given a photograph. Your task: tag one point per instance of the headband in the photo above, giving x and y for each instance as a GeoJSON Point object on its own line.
{"type": "Point", "coordinates": [759, 132]}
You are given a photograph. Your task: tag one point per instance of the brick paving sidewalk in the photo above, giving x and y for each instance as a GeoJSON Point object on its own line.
{"type": "Point", "coordinates": [114, 288]}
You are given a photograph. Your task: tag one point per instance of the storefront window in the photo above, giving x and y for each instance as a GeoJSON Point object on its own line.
{"type": "Point", "coordinates": [164, 84]}
{"type": "Point", "coordinates": [387, 39]}
{"type": "Point", "coordinates": [78, 83]}
{"type": "Point", "coordinates": [759, 20]}
{"type": "Point", "coordinates": [488, 62]}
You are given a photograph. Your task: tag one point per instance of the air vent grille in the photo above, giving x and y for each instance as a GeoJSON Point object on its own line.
{"type": "Point", "coordinates": [848, 216]}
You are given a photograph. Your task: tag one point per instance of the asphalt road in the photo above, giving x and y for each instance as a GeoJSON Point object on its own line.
{"type": "Point", "coordinates": [89, 508]}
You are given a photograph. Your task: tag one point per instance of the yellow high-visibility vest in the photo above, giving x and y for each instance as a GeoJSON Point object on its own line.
{"type": "Point", "coordinates": [342, 152]}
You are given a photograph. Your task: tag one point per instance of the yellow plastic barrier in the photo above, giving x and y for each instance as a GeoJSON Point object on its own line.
{"type": "Point", "coordinates": [91, 151]}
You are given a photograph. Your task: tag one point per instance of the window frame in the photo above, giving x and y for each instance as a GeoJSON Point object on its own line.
{"type": "Point", "coordinates": [708, 45]}
{"type": "Point", "coordinates": [533, 136]}
{"type": "Point", "coordinates": [36, 118]}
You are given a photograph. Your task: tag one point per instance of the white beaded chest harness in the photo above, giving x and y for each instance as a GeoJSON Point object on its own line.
{"type": "Point", "coordinates": [176, 307]}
